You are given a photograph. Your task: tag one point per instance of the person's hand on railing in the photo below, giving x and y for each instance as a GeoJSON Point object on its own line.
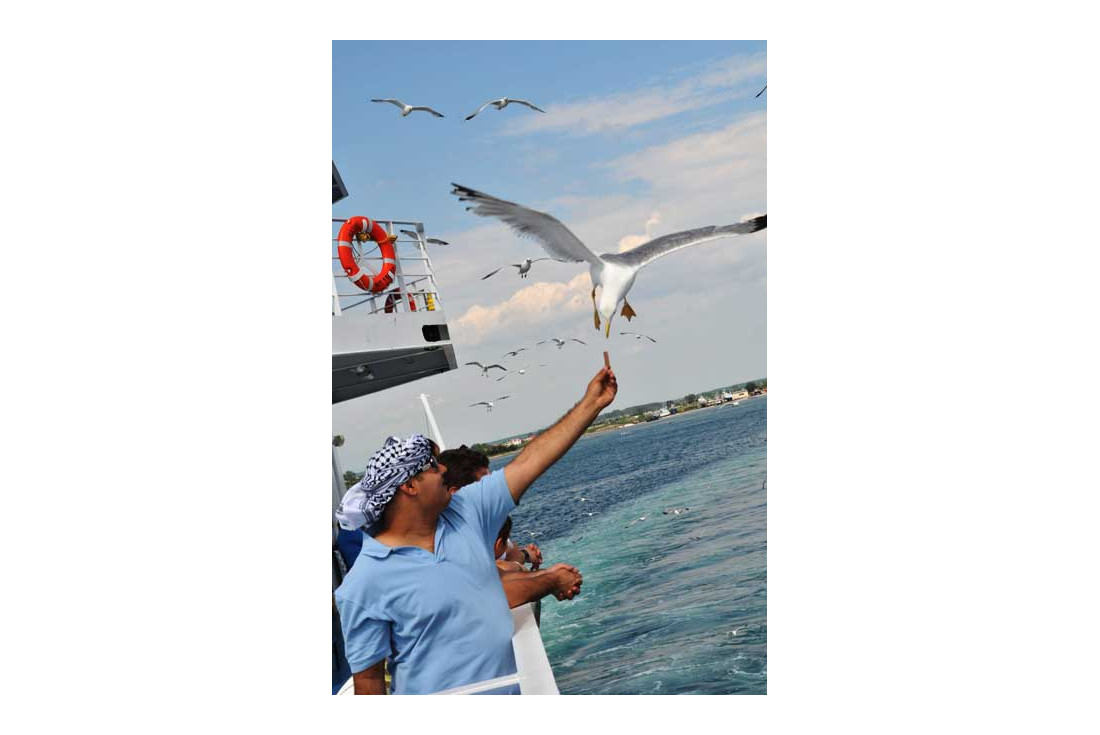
{"type": "Point", "coordinates": [568, 580]}
{"type": "Point", "coordinates": [534, 556]}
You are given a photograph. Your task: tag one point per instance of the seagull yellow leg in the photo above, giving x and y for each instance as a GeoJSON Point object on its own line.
{"type": "Point", "coordinates": [607, 333]}
{"type": "Point", "coordinates": [595, 311]}
{"type": "Point", "coordinates": [627, 311]}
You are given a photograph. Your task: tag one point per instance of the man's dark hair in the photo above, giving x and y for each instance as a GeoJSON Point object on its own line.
{"type": "Point", "coordinates": [505, 530]}
{"type": "Point", "coordinates": [462, 465]}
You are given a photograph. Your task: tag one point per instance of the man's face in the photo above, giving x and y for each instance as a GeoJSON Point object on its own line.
{"type": "Point", "coordinates": [429, 482]}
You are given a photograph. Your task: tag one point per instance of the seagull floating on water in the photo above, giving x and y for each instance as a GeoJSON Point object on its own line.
{"type": "Point", "coordinates": [676, 511]}
{"type": "Point", "coordinates": [613, 273]}
{"type": "Point", "coordinates": [486, 368]}
{"type": "Point", "coordinates": [501, 104]}
{"type": "Point", "coordinates": [406, 109]}
{"type": "Point", "coordinates": [488, 404]}
{"type": "Point", "coordinates": [524, 267]}
{"type": "Point", "coordinates": [639, 336]}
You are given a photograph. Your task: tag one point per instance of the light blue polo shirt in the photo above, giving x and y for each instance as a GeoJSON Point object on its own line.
{"type": "Point", "coordinates": [441, 619]}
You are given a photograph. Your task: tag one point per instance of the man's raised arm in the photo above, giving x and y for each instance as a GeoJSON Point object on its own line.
{"type": "Point", "coordinates": [548, 447]}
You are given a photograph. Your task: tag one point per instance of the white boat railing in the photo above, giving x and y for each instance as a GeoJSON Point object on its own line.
{"type": "Point", "coordinates": [411, 289]}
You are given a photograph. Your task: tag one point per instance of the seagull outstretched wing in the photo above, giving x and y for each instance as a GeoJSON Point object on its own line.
{"type": "Point", "coordinates": [472, 114]}
{"type": "Point", "coordinates": [577, 340]}
{"type": "Point", "coordinates": [437, 241]}
{"type": "Point", "coordinates": [525, 102]}
{"type": "Point", "coordinates": [491, 274]}
{"type": "Point", "coordinates": [645, 254]}
{"type": "Point", "coordinates": [476, 363]}
{"type": "Point", "coordinates": [479, 403]}
{"type": "Point", "coordinates": [426, 109]}
{"type": "Point", "coordinates": [399, 103]}
{"type": "Point", "coordinates": [555, 238]}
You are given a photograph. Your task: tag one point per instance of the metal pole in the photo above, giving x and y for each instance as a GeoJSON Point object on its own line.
{"type": "Point", "coordinates": [432, 423]}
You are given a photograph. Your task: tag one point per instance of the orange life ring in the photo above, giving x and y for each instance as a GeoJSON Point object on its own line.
{"type": "Point", "coordinates": [364, 279]}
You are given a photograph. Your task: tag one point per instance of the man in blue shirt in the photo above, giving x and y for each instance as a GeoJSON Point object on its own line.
{"type": "Point", "coordinates": [424, 592]}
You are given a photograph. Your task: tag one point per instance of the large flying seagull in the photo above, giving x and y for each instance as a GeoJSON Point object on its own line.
{"type": "Point", "coordinates": [613, 273]}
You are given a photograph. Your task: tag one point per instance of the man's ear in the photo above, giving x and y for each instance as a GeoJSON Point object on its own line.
{"type": "Point", "coordinates": [408, 488]}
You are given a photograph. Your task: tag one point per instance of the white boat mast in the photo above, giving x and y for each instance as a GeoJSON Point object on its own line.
{"type": "Point", "coordinates": [431, 422]}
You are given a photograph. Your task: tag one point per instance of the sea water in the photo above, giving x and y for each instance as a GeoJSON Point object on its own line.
{"type": "Point", "coordinates": [674, 603]}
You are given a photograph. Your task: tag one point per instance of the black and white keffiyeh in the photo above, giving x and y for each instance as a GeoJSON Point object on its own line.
{"type": "Point", "coordinates": [393, 464]}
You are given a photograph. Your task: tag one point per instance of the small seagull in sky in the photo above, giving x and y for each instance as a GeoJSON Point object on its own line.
{"type": "Point", "coordinates": [406, 109]}
{"type": "Point", "coordinates": [639, 336]}
{"type": "Point", "coordinates": [612, 273]}
{"type": "Point", "coordinates": [524, 267]}
{"type": "Point", "coordinates": [559, 342]}
{"type": "Point", "coordinates": [513, 353]}
{"type": "Point", "coordinates": [521, 371]}
{"type": "Point", "coordinates": [488, 404]}
{"type": "Point", "coordinates": [501, 104]}
{"type": "Point", "coordinates": [486, 368]}
{"type": "Point", "coordinates": [416, 236]}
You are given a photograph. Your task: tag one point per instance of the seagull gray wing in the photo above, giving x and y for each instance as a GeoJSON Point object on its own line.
{"type": "Point", "coordinates": [761, 91]}
{"type": "Point", "coordinates": [476, 363]}
{"type": "Point", "coordinates": [399, 103]}
{"type": "Point", "coordinates": [525, 102]}
{"type": "Point", "coordinates": [577, 340]}
{"type": "Point", "coordinates": [479, 403]}
{"type": "Point", "coordinates": [471, 115]}
{"type": "Point", "coordinates": [645, 254]}
{"type": "Point", "coordinates": [555, 238]}
{"type": "Point", "coordinates": [650, 338]}
{"type": "Point", "coordinates": [491, 274]}
{"type": "Point", "coordinates": [437, 241]}
{"type": "Point", "coordinates": [500, 399]}
{"type": "Point", "coordinates": [427, 109]}
{"type": "Point", "coordinates": [494, 365]}
{"type": "Point", "coordinates": [535, 260]}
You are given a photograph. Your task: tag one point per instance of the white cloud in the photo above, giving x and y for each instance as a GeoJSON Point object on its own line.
{"type": "Point", "coordinates": [629, 242]}
{"type": "Point", "coordinates": [529, 306]}
{"type": "Point", "coordinates": [723, 81]}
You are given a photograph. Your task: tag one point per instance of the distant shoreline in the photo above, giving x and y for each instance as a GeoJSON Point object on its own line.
{"type": "Point", "coordinates": [609, 427]}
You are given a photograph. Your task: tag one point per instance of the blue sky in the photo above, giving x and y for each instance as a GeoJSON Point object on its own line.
{"type": "Point", "coordinates": [639, 139]}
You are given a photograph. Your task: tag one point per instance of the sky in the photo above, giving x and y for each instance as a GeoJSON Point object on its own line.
{"type": "Point", "coordinates": [639, 140]}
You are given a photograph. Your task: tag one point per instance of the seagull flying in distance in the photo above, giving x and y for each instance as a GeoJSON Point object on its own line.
{"type": "Point", "coordinates": [761, 91]}
{"type": "Point", "coordinates": [406, 109]}
{"type": "Point", "coordinates": [501, 104]}
{"type": "Point", "coordinates": [639, 336]}
{"type": "Point", "coordinates": [612, 273]}
{"type": "Point", "coordinates": [521, 371]}
{"type": "Point", "coordinates": [486, 368]}
{"type": "Point", "coordinates": [513, 353]}
{"type": "Point", "coordinates": [416, 236]}
{"type": "Point", "coordinates": [524, 267]}
{"type": "Point", "coordinates": [559, 342]}
{"type": "Point", "coordinates": [488, 404]}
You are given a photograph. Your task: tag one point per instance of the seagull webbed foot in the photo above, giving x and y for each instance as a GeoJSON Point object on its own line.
{"type": "Point", "coordinates": [627, 311]}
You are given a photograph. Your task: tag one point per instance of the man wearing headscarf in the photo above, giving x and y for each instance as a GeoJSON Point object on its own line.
{"type": "Point", "coordinates": [424, 594]}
